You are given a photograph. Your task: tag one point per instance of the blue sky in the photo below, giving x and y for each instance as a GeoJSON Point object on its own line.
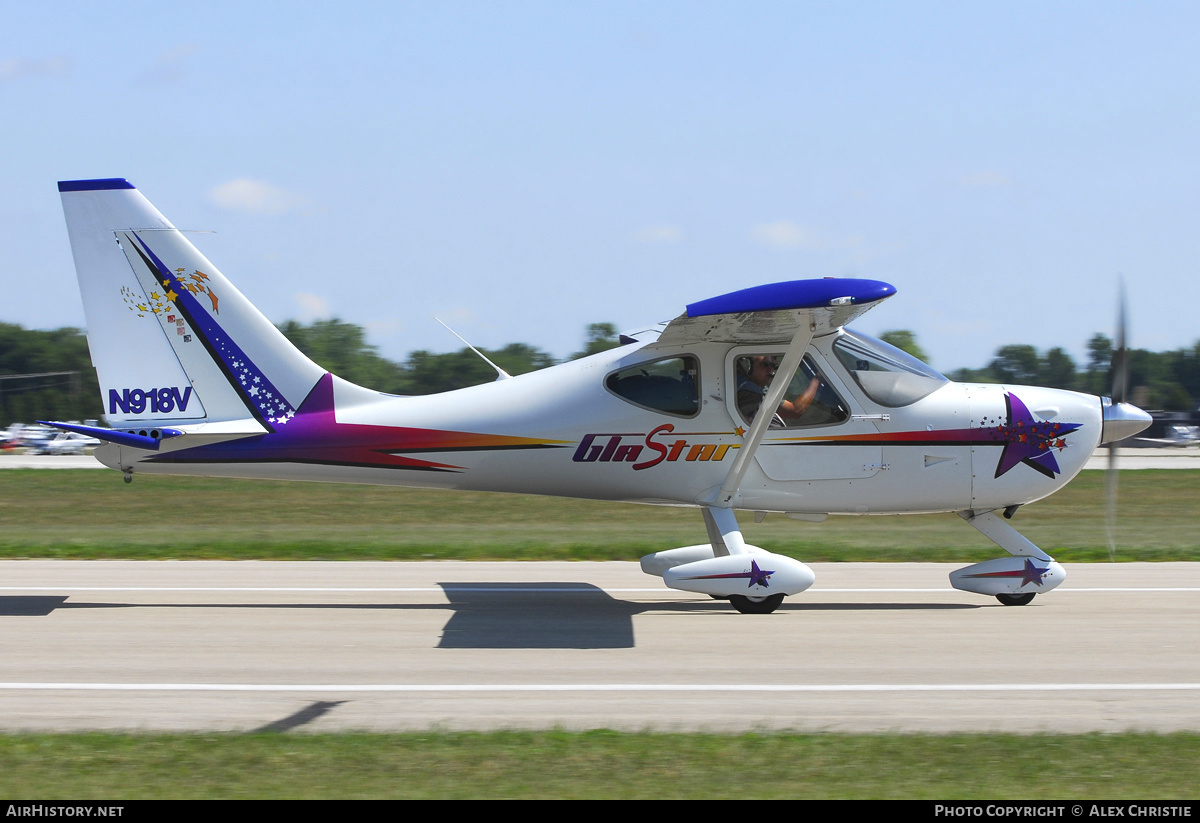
{"type": "Point", "coordinates": [523, 169]}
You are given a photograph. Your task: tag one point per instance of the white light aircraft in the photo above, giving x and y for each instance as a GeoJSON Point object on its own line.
{"type": "Point", "coordinates": [196, 381]}
{"type": "Point", "coordinates": [11, 438]}
{"type": "Point", "coordinates": [64, 442]}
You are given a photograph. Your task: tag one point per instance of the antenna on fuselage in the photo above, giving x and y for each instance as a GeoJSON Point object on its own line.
{"type": "Point", "coordinates": [501, 374]}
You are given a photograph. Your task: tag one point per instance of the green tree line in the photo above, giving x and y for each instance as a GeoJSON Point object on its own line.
{"type": "Point", "coordinates": [1157, 380]}
{"type": "Point", "coordinates": [342, 348]}
{"type": "Point", "coordinates": [46, 375]}
{"type": "Point", "coordinates": [30, 391]}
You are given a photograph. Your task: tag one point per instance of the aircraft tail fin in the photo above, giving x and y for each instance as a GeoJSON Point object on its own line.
{"type": "Point", "coordinates": [172, 340]}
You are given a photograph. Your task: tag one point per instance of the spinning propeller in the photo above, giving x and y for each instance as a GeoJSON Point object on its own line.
{"type": "Point", "coordinates": [1121, 420]}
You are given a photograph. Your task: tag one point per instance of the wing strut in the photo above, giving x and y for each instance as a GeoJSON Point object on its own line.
{"type": "Point", "coordinates": [762, 420]}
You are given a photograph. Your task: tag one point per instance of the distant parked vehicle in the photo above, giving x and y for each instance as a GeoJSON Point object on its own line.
{"type": "Point", "coordinates": [12, 438]}
{"type": "Point", "coordinates": [42, 440]}
{"type": "Point", "coordinates": [66, 443]}
{"type": "Point", "coordinates": [1178, 435]}
{"type": "Point", "coordinates": [1170, 429]}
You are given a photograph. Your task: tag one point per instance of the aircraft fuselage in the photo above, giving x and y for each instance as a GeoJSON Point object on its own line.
{"type": "Point", "coordinates": [564, 431]}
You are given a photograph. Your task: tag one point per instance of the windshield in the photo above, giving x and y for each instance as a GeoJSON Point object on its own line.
{"type": "Point", "coordinates": [886, 374]}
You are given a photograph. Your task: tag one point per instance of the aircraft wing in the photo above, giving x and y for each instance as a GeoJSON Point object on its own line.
{"type": "Point", "coordinates": [793, 312]}
{"type": "Point", "coordinates": [776, 311]}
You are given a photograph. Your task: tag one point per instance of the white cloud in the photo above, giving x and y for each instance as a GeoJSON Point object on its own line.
{"type": "Point", "coordinates": [660, 233]}
{"type": "Point", "coordinates": [312, 307]}
{"type": "Point", "coordinates": [13, 67]}
{"type": "Point", "coordinates": [178, 53]}
{"type": "Point", "coordinates": [787, 235]}
{"type": "Point", "coordinates": [990, 179]}
{"type": "Point", "coordinates": [382, 328]}
{"type": "Point", "coordinates": [784, 234]}
{"type": "Point", "coordinates": [256, 197]}
{"type": "Point", "coordinates": [170, 66]}
{"type": "Point", "coordinates": [457, 315]}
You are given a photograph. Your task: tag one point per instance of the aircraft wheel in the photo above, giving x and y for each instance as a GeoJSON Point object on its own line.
{"type": "Point", "coordinates": [1015, 599]}
{"type": "Point", "coordinates": [756, 605]}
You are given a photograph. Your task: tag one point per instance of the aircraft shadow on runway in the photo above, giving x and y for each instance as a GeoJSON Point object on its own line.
{"type": "Point", "coordinates": [575, 615]}
{"type": "Point", "coordinates": [536, 616]}
{"type": "Point", "coordinates": [30, 605]}
{"type": "Point", "coordinates": [502, 615]}
{"type": "Point", "coordinates": [302, 717]}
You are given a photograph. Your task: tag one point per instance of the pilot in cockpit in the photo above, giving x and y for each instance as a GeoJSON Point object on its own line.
{"type": "Point", "coordinates": [754, 376]}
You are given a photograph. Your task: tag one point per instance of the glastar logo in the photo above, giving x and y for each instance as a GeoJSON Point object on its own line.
{"type": "Point", "coordinates": [1023, 438]}
{"type": "Point", "coordinates": [607, 447]}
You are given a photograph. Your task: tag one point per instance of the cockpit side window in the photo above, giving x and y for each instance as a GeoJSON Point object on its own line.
{"type": "Point", "coordinates": [809, 399]}
{"type": "Point", "coordinates": [670, 385]}
{"type": "Point", "coordinates": [886, 374]}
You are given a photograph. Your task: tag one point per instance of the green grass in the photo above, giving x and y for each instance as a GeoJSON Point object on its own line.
{"type": "Point", "coordinates": [557, 764]}
{"type": "Point", "coordinates": [92, 514]}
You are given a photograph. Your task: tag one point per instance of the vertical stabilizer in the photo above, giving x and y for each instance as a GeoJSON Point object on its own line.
{"type": "Point", "coordinates": [172, 339]}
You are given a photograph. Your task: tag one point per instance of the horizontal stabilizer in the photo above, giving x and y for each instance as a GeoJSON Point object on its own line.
{"type": "Point", "coordinates": [137, 440]}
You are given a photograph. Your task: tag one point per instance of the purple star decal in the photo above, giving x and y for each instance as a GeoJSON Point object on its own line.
{"type": "Point", "coordinates": [1029, 441]}
{"type": "Point", "coordinates": [1030, 574]}
{"type": "Point", "coordinates": [1023, 438]}
{"type": "Point", "coordinates": [757, 576]}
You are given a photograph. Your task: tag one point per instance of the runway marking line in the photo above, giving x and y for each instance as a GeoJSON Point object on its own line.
{"type": "Point", "coordinates": [525, 590]}
{"type": "Point", "coordinates": [596, 687]}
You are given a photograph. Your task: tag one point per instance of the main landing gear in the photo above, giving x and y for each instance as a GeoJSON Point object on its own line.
{"type": "Point", "coordinates": [747, 604]}
{"type": "Point", "coordinates": [1015, 599]}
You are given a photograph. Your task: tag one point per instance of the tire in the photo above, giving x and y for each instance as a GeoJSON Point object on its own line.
{"type": "Point", "coordinates": [1015, 599]}
{"type": "Point", "coordinates": [756, 605]}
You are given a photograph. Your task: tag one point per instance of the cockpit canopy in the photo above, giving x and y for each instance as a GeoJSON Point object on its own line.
{"type": "Point", "coordinates": [886, 374]}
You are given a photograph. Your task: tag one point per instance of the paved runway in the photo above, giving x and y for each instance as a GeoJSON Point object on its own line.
{"type": "Point", "coordinates": [393, 646]}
